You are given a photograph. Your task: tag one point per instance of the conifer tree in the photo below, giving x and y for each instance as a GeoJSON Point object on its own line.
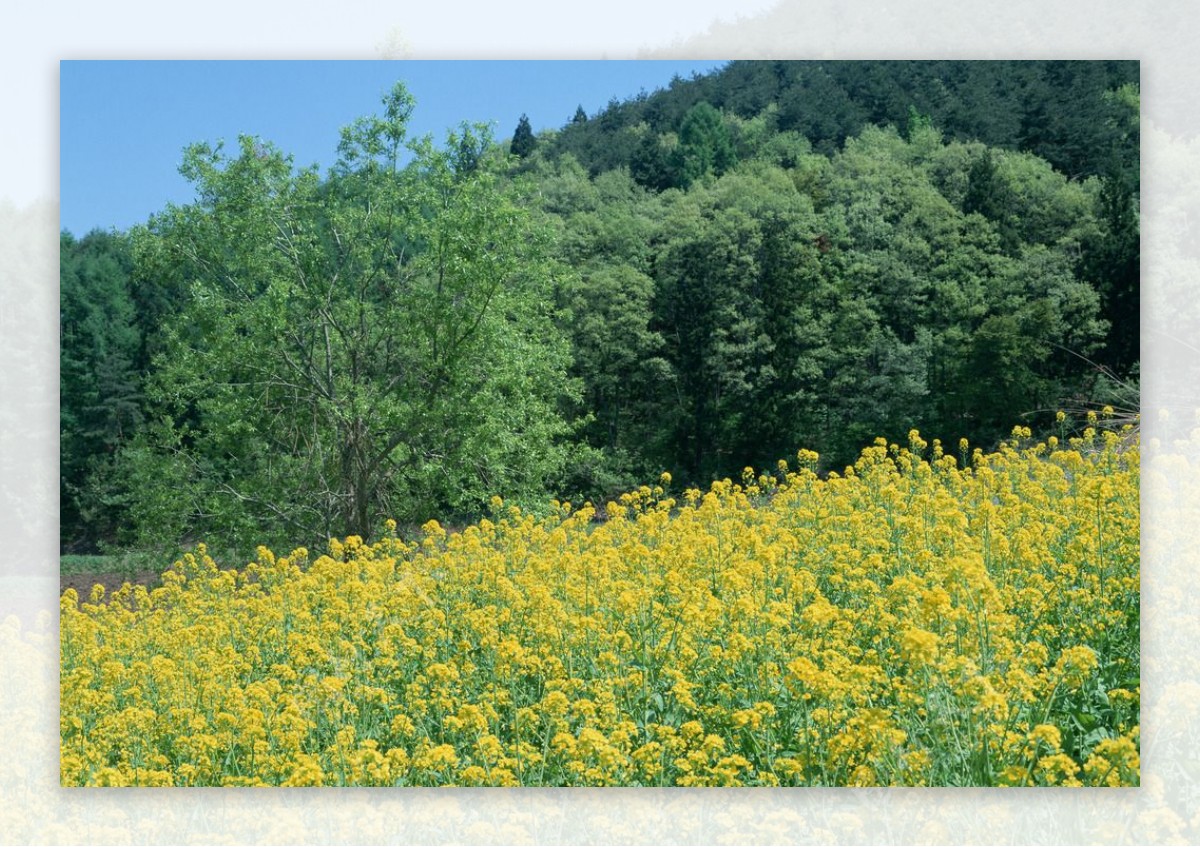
{"type": "Point", "coordinates": [523, 141]}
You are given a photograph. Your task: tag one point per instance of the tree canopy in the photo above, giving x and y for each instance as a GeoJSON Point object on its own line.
{"type": "Point", "coordinates": [376, 343]}
{"type": "Point", "coordinates": [775, 256]}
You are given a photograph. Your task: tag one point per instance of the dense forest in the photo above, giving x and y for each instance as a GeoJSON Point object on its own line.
{"type": "Point", "coordinates": [774, 256]}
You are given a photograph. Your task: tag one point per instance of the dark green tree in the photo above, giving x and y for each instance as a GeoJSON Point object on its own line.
{"type": "Point", "coordinates": [523, 140]}
{"type": "Point", "coordinates": [1112, 258]}
{"type": "Point", "coordinates": [651, 164]}
{"type": "Point", "coordinates": [1112, 261]}
{"type": "Point", "coordinates": [101, 406]}
{"type": "Point", "coordinates": [988, 194]}
{"type": "Point", "coordinates": [738, 301]}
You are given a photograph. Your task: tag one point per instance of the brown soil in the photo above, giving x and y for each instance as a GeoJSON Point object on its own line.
{"type": "Point", "coordinates": [83, 582]}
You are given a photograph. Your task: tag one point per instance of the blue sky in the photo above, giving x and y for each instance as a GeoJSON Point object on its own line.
{"type": "Point", "coordinates": [124, 124]}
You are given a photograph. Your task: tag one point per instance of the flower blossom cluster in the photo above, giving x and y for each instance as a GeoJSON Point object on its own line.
{"type": "Point", "coordinates": [921, 618]}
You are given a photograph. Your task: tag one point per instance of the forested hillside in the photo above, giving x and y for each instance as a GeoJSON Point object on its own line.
{"type": "Point", "coordinates": [1065, 112]}
{"type": "Point", "coordinates": [780, 255]}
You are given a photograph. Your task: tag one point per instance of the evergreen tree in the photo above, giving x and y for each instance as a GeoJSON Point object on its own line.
{"type": "Point", "coordinates": [523, 140]}
{"type": "Point", "coordinates": [988, 195]}
{"type": "Point", "coordinates": [101, 406]}
{"type": "Point", "coordinates": [651, 164]}
{"type": "Point", "coordinates": [1112, 261]}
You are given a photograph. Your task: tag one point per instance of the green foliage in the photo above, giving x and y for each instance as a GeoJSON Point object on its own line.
{"type": "Point", "coordinates": [100, 383]}
{"type": "Point", "coordinates": [376, 344]}
{"type": "Point", "coordinates": [523, 141]}
{"type": "Point", "coordinates": [800, 299]}
{"type": "Point", "coordinates": [1112, 256]}
{"type": "Point", "coordinates": [704, 146]}
{"type": "Point", "coordinates": [916, 123]}
{"type": "Point", "coordinates": [653, 163]}
{"type": "Point", "coordinates": [1065, 112]}
{"type": "Point", "coordinates": [778, 255]}
{"type": "Point", "coordinates": [735, 258]}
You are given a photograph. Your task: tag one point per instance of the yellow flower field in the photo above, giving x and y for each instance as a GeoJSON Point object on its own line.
{"type": "Point", "coordinates": [923, 618]}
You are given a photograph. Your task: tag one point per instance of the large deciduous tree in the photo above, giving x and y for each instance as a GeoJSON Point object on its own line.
{"type": "Point", "coordinates": [376, 343]}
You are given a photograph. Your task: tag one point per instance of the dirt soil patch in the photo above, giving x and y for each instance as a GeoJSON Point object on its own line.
{"type": "Point", "coordinates": [111, 580]}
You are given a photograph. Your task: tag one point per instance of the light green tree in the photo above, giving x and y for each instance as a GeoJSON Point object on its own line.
{"type": "Point", "coordinates": [376, 343]}
{"type": "Point", "coordinates": [704, 145]}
